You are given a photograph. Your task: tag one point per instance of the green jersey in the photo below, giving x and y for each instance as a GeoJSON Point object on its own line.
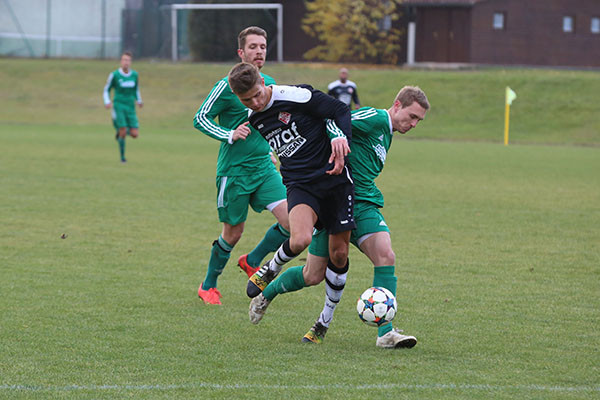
{"type": "Point", "coordinates": [126, 86]}
{"type": "Point", "coordinates": [242, 157]}
{"type": "Point", "coordinates": [371, 139]}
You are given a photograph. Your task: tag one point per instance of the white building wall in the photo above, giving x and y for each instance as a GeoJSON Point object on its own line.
{"type": "Point", "coordinates": [75, 28]}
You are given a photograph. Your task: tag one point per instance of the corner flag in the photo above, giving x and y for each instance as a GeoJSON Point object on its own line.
{"type": "Point", "coordinates": [510, 96]}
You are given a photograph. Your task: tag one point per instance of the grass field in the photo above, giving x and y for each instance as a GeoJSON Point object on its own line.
{"type": "Point", "coordinates": [498, 247]}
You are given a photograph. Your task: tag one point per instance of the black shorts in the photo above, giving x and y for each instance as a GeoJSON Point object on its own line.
{"type": "Point", "coordinates": [334, 205]}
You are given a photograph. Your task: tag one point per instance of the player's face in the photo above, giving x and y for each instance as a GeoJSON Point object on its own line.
{"type": "Point", "coordinates": [256, 98]}
{"type": "Point", "coordinates": [254, 51]}
{"type": "Point", "coordinates": [343, 75]}
{"type": "Point", "coordinates": [125, 62]}
{"type": "Point", "coordinates": [404, 119]}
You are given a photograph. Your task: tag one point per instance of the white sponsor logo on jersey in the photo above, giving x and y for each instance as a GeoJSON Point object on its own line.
{"type": "Point", "coordinates": [286, 142]}
{"type": "Point", "coordinates": [381, 152]}
{"type": "Point", "coordinates": [126, 84]}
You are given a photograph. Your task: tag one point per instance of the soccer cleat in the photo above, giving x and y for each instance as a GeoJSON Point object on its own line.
{"type": "Point", "coordinates": [259, 281]}
{"type": "Point", "coordinates": [210, 296]}
{"type": "Point", "coordinates": [244, 266]}
{"type": "Point", "coordinates": [316, 334]}
{"type": "Point", "coordinates": [394, 340]}
{"type": "Point", "coordinates": [258, 306]}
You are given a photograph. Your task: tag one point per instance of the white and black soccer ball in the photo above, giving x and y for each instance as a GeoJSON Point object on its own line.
{"type": "Point", "coordinates": [376, 306]}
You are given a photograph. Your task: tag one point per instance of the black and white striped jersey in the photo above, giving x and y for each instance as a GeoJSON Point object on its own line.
{"type": "Point", "coordinates": [294, 123]}
{"type": "Point", "coordinates": [345, 92]}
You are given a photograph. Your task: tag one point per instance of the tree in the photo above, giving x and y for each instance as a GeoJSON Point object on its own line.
{"type": "Point", "coordinates": [353, 30]}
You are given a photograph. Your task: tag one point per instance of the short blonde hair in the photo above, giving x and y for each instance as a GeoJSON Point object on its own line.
{"type": "Point", "coordinates": [243, 77]}
{"type": "Point", "coordinates": [409, 94]}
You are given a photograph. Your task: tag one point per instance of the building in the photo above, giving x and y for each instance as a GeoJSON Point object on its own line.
{"type": "Point", "coordinates": [519, 32]}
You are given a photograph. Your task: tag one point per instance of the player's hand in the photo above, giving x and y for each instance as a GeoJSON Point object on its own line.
{"type": "Point", "coordinates": [108, 106]}
{"type": "Point", "coordinates": [339, 150]}
{"type": "Point", "coordinates": [241, 132]}
{"type": "Point", "coordinates": [140, 105]}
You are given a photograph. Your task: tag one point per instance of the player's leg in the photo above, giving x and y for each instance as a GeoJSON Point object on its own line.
{"type": "Point", "coordinates": [335, 275]}
{"type": "Point", "coordinates": [291, 280]}
{"type": "Point", "coordinates": [302, 220]}
{"type": "Point", "coordinates": [376, 243]}
{"type": "Point", "coordinates": [340, 222]}
{"type": "Point", "coordinates": [232, 207]}
{"type": "Point", "coordinates": [269, 195]}
{"type": "Point", "coordinates": [132, 122]}
{"type": "Point", "coordinates": [120, 122]}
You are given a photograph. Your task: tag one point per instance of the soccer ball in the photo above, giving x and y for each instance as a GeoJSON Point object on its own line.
{"type": "Point", "coordinates": [376, 306]}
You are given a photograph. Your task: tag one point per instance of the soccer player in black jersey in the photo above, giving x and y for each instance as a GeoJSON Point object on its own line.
{"type": "Point", "coordinates": [320, 190]}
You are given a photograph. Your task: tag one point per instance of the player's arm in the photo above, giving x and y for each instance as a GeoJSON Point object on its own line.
{"type": "Point", "coordinates": [331, 90]}
{"type": "Point", "coordinates": [213, 105]}
{"type": "Point", "coordinates": [355, 98]}
{"type": "Point", "coordinates": [106, 92]}
{"type": "Point", "coordinates": [138, 95]}
{"type": "Point", "coordinates": [326, 107]}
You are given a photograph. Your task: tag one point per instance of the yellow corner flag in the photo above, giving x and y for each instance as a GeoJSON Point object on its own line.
{"type": "Point", "coordinates": [510, 96]}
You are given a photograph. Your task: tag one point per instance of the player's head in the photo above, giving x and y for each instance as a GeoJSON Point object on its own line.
{"type": "Point", "coordinates": [410, 107]}
{"type": "Point", "coordinates": [126, 58]}
{"type": "Point", "coordinates": [343, 75]}
{"type": "Point", "coordinates": [247, 84]}
{"type": "Point", "coordinates": [252, 46]}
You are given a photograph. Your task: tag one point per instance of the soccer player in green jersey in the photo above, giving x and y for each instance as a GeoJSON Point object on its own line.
{"type": "Point", "coordinates": [125, 83]}
{"type": "Point", "coordinates": [372, 131]}
{"type": "Point", "coordinates": [246, 173]}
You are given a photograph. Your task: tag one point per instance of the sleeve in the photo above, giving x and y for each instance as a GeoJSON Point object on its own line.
{"type": "Point", "coordinates": [331, 90]}
{"type": "Point", "coordinates": [326, 107]}
{"type": "Point", "coordinates": [107, 87]}
{"type": "Point", "coordinates": [212, 106]}
{"type": "Point", "coordinates": [355, 97]}
{"type": "Point", "coordinates": [138, 95]}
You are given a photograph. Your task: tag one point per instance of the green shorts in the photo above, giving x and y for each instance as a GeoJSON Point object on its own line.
{"type": "Point", "coordinates": [124, 117]}
{"type": "Point", "coordinates": [235, 193]}
{"type": "Point", "coordinates": [368, 220]}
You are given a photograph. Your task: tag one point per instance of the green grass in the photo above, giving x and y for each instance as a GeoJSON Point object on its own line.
{"type": "Point", "coordinates": [498, 251]}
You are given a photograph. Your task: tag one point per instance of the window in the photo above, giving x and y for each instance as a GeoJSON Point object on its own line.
{"type": "Point", "coordinates": [595, 25]}
{"type": "Point", "coordinates": [568, 24]}
{"type": "Point", "coordinates": [498, 20]}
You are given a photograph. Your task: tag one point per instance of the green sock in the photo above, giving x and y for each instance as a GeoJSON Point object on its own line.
{"type": "Point", "coordinates": [221, 250]}
{"type": "Point", "coordinates": [121, 147]}
{"type": "Point", "coordinates": [384, 277]}
{"type": "Point", "coordinates": [274, 237]}
{"type": "Point", "coordinates": [289, 281]}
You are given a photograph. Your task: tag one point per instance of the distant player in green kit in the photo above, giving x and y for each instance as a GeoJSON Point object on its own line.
{"type": "Point", "coordinates": [246, 173]}
{"type": "Point", "coordinates": [372, 132]}
{"type": "Point", "coordinates": [125, 83]}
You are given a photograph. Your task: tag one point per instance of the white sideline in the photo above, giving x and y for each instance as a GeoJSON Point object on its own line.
{"type": "Point", "coordinates": [216, 386]}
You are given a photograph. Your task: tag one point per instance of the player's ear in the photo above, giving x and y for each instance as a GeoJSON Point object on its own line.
{"type": "Point", "coordinates": [240, 53]}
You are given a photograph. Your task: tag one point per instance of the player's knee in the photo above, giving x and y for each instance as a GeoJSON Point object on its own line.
{"type": "Point", "coordinates": [312, 278]}
{"type": "Point", "coordinates": [339, 256]}
{"type": "Point", "coordinates": [300, 242]}
{"type": "Point", "coordinates": [232, 236]}
{"type": "Point", "coordinates": [387, 257]}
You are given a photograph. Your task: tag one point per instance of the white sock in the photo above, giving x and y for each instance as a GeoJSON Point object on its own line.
{"type": "Point", "coordinates": [335, 281]}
